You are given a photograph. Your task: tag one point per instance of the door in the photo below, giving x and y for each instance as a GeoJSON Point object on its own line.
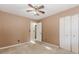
{"type": "Point", "coordinates": [61, 32]}
{"type": "Point", "coordinates": [35, 31]}
{"type": "Point", "coordinates": [75, 21]}
{"type": "Point", "coordinates": [65, 33]}
{"type": "Point", "coordinates": [32, 31]}
{"type": "Point", "coordinates": [39, 32]}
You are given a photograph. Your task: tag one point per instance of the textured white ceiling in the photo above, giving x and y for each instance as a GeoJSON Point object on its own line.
{"type": "Point", "coordinates": [20, 9]}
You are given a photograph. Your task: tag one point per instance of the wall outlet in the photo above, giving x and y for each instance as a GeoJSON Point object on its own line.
{"type": "Point", "coordinates": [18, 41]}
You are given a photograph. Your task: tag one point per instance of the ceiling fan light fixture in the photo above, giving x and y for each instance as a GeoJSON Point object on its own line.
{"type": "Point", "coordinates": [34, 12]}
{"type": "Point", "coordinates": [36, 9]}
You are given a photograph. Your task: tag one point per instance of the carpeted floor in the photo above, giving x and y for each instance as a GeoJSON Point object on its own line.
{"type": "Point", "coordinates": [34, 48]}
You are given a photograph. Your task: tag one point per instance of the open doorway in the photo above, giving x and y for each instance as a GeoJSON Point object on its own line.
{"type": "Point", "coordinates": [35, 31]}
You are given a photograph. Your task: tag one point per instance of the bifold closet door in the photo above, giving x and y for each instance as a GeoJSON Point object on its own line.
{"type": "Point", "coordinates": [65, 32]}
{"type": "Point", "coordinates": [69, 33]}
{"type": "Point", "coordinates": [61, 32]}
{"type": "Point", "coordinates": [74, 42]}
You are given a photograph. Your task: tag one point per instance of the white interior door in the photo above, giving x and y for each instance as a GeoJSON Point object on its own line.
{"type": "Point", "coordinates": [36, 31]}
{"type": "Point", "coordinates": [65, 29]}
{"type": "Point", "coordinates": [67, 33]}
{"type": "Point", "coordinates": [75, 21]}
{"type": "Point", "coordinates": [32, 31]}
{"type": "Point", "coordinates": [39, 31]}
{"type": "Point", "coordinates": [61, 32]}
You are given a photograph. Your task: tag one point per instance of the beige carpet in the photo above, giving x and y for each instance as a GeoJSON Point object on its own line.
{"type": "Point", "coordinates": [34, 48]}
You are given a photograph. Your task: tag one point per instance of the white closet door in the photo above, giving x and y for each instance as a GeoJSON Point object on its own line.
{"type": "Point", "coordinates": [61, 32]}
{"type": "Point", "coordinates": [75, 21]}
{"type": "Point", "coordinates": [67, 32]}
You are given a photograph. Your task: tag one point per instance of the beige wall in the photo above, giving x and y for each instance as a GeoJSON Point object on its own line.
{"type": "Point", "coordinates": [51, 25]}
{"type": "Point", "coordinates": [12, 29]}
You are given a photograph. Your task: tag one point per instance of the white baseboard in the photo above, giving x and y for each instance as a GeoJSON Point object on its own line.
{"type": "Point", "coordinates": [25, 43]}
{"type": "Point", "coordinates": [13, 45]}
{"type": "Point", "coordinates": [52, 45]}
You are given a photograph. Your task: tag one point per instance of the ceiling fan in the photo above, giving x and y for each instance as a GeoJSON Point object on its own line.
{"type": "Point", "coordinates": [36, 9]}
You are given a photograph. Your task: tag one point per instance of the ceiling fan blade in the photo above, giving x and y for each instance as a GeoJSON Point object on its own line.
{"type": "Point", "coordinates": [42, 12]}
{"type": "Point", "coordinates": [31, 5]}
{"type": "Point", "coordinates": [29, 10]}
{"type": "Point", "coordinates": [40, 7]}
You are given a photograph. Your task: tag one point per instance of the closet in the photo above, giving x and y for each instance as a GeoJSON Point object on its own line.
{"type": "Point", "coordinates": [69, 33]}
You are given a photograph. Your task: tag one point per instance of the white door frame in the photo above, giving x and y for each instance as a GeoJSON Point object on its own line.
{"type": "Point", "coordinates": [38, 32]}
{"type": "Point", "coordinates": [32, 31]}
